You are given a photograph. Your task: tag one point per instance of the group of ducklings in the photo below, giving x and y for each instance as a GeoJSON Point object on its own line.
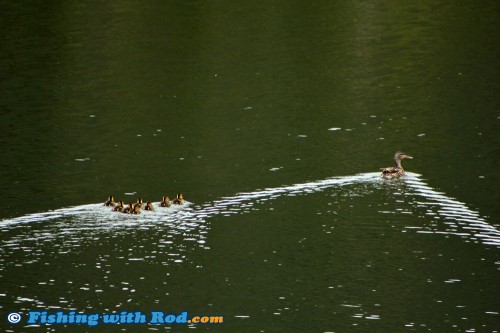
{"type": "Point", "coordinates": [135, 208]}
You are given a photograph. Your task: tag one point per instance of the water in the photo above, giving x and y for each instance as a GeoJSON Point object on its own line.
{"type": "Point", "coordinates": [271, 118]}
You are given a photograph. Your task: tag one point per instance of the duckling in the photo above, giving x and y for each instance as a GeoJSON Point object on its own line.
{"type": "Point", "coordinates": [165, 202]}
{"type": "Point", "coordinates": [110, 201]}
{"type": "Point", "coordinates": [396, 171]}
{"type": "Point", "coordinates": [119, 207]}
{"type": "Point", "coordinates": [179, 200]}
{"type": "Point", "coordinates": [137, 209]}
{"type": "Point", "coordinates": [149, 206]}
{"type": "Point", "coordinates": [129, 209]}
{"type": "Point", "coordinates": [139, 202]}
{"type": "Point", "coordinates": [137, 206]}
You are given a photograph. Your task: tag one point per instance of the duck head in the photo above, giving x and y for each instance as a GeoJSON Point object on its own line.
{"type": "Point", "coordinates": [399, 156]}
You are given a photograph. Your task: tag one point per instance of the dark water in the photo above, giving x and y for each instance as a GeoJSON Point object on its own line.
{"type": "Point", "coordinates": [272, 118]}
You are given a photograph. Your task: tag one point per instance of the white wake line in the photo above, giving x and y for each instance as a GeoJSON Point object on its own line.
{"type": "Point", "coordinates": [450, 208]}
{"type": "Point", "coordinates": [203, 210]}
{"type": "Point", "coordinates": [92, 210]}
{"type": "Point", "coordinates": [454, 210]}
{"type": "Point", "coordinates": [296, 188]}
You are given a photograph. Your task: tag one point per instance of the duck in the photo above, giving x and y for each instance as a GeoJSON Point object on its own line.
{"type": "Point", "coordinates": [119, 207]}
{"type": "Point", "coordinates": [110, 201]}
{"type": "Point", "coordinates": [396, 171]}
{"type": "Point", "coordinates": [179, 200]}
{"type": "Point", "coordinates": [139, 202]}
{"type": "Point", "coordinates": [129, 209]}
{"type": "Point", "coordinates": [165, 202]}
{"type": "Point", "coordinates": [149, 206]}
{"type": "Point", "coordinates": [136, 210]}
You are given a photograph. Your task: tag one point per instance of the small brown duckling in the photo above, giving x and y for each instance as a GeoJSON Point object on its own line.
{"type": "Point", "coordinates": [179, 200]}
{"type": "Point", "coordinates": [110, 201]}
{"type": "Point", "coordinates": [139, 202]}
{"type": "Point", "coordinates": [129, 209]}
{"type": "Point", "coordinates": [119, 207]}
{"type": "Point", "coordinates": [137, 206]}
{"type": "Point", "coordinates": [165, 202]}
{"type": "Point", "coordinates": [149, 206]}
{"type": "Point", "coordinates": [137, 209]}
{"type": "Point", "coordinates": [397, 170]}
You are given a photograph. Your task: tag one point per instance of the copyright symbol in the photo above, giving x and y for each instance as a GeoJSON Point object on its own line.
{"type": "Point", "coordinates": [14, 317]}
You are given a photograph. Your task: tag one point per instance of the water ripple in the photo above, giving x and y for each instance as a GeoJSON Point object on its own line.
{"type": "Point", "coordinates": [173, 232]}
{"type": "Point", "coordinates": [457, 218]}
{"type": "Point", "coordinates": [190, 221]}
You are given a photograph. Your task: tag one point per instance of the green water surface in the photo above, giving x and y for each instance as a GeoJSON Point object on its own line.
{"type": "Point", "coordinates": [215, 98]}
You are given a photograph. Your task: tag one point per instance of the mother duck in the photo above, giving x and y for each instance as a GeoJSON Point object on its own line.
{"type": "Point", "coordinates": [395, 171]}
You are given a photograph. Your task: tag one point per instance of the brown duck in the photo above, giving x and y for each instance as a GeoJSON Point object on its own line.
{"type": "Point", "coordinates": [179, 200]}
{"type": "Point", "coordinates": [165, 202]}
{"type": "Point", "coordinates": [139, 203]}
{"type": "Point", "coordinates": [396, 171]}
{"type": "Point", "coordinates": [119, 207]}
{"type": "Point", "coordinates": [149, 206]}
{"type": "Point", "coordinates": [129, 209]}
{"type": "Point", "coordinates": [136, 210]}
{"type": "Point", "coordinates": [110, 201]}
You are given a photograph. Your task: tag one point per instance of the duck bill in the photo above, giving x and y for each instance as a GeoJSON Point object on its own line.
{"type": "Point", "coordinates": [409, 157]}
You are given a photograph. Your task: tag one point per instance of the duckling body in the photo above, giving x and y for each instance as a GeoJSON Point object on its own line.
{"type": "Point", "coordinates": [139, 203]}
{"type": "Point", "coordinates": [179, 200]}
{"type": "Point", "coordinates": [149, 206]}
{"type": "Point", "coordinates": [129, 209]}
{"type": "Point", "coordinates": [110, 202]}
{"type": "Point", "coordinates": [119, 207]}
{"type": "Point", "coordinates": [395, 171]}
{"type": "Point", "coordinates": [165, 202]}
{"type": "Point", "coordinates": [136, 207]}
{"type": "Point", "coordinates": [136, 210]}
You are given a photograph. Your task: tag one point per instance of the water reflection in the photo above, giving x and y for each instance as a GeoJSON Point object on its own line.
{"type": "Point", "coordinates": [190, 221]}
{"type": "Point", "coordinates": [456, 217]}
{"type": "Point", "coordinates": [167, 237]}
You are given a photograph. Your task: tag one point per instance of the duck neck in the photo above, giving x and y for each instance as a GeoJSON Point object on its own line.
{"type": "Point", "coordinates": [398, 163]}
